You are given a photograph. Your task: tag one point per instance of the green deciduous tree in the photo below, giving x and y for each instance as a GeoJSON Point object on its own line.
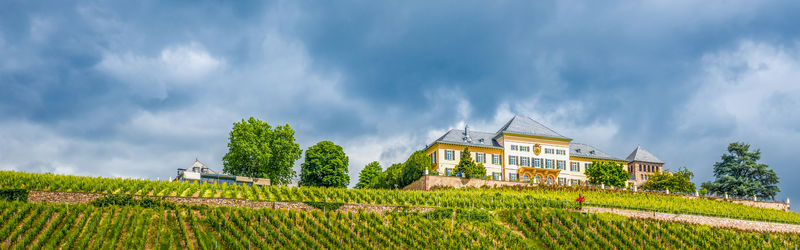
{"type": "Point", "coordinates": [255, 149]}
{"type": "Point", "coordinates": [388, 179]}
{"type": "Point", "coordinates": [608, 173]}
{"type": "Point", "coordinates": [414, 168]}
{"type": "Point", "coordinates": [468, 167]}
{"type": "Point", "coordinates": [680, 181]}
{"type": "Point", "coordinates": [740, 174]}
{"type": "Point", "coordinates": [325, 165]}
{"type": "Point", "coordinates": [368, 174]}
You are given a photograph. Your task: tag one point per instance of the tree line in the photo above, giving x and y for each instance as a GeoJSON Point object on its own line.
{"type": "Point", "coordinates": [256, 149]}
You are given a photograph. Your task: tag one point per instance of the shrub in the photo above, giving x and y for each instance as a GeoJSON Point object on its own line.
{"type": "Point", "coordinates": [324, 205]}
{"type": "Point", "coordinates": [14, 194]}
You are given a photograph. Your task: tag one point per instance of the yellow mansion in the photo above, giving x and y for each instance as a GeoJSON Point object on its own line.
{"type": "Point", "coordinates": [523, 150]}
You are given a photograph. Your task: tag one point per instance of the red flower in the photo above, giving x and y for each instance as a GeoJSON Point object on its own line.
{"type": "Point", "coordinates": [580, 198]}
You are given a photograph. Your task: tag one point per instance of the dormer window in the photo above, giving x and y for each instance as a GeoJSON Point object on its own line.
{"type": "Point", "coordinates": [577, 150]}
{"type": "Point", "coordinates": [480, 140]}
{"type": "Point", "coordinates": [591, 152]}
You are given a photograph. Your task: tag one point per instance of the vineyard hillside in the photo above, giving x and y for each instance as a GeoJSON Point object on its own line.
{"type": "Point", "coordinates": [135, 214]}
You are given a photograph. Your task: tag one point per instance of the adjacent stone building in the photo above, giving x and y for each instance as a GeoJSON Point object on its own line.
{"type": "Point", "coordinates": [642, 165]}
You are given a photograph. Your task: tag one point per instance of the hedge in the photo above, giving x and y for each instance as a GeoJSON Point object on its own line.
{"type": "Point", "coordinates": [14, 195]}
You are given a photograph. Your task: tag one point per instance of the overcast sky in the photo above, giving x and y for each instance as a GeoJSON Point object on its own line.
{"type": "Point", "coordinates": [140, 88]}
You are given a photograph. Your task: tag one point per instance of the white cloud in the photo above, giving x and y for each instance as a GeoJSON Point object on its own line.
{"type": "Point", "coordinates": [755, 88]}
{"type": "Point", "coordinates": [188, 64]}
{"type": "Point", "coordinates": [750, 94]}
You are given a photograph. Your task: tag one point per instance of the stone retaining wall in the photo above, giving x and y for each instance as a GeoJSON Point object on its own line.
{"type": "Point", "coordinates": [83, 198]}
{"type": "Point", "coordinates": [717, 222]}
{"type": "Point", "coordinates": [771, 205]}
{"type": "Point", "coordinates": [427, 182]}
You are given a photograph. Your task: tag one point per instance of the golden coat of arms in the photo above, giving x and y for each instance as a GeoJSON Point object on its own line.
{"type": "Point", "coordinates": [537, 149]}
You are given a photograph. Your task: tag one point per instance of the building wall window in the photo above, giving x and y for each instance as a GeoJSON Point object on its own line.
{"type": "Point", "coordinates": [548, 164]}
{"type": "Point", "coordinates": [512, 160]}
{"type": "Point", "coordinates": [433, 158]}
{"type": "Point", "coordinates": [496, 159]}
{"type": "Point", "coordinates": [514, 147]}
{"type": "Point", "coordinates": [586, 166]}
{"type": "Point", "coordinates": [449, 155]}
{"type": "Point", "coordinates": [524, 161]}
{"type": "Point", "coordinates": [561, 165]}
{"type": "Point", "coordinates": [448, 171]}
{"type": "Point", "coordinates": [548, 151]}
{"type": "Point", "coordinates": [562, 181]}
{"type": "Point", "coordinates": [574, 166]}
{"type": "Point", "coordinates": [513, 177]}
{"type": "Point", "coordinates": [496, 176]}
{"type": "Point", "coordinates": [525, 148]}
{"type": "Point", "coordinates": [480, 157]}
{"type": "Point", "coordinates": [561, 152]}
{"type": "Point", "coordinates": [537, 163]}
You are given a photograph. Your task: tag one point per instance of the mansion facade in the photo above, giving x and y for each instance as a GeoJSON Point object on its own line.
{"type": "Point", "coordinates": [524, 150]}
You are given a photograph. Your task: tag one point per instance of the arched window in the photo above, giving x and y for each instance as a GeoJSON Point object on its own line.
{"type": "Point", "coordinates": [549, 180]}
{"type": "Point", "coordinates": [525, 177]}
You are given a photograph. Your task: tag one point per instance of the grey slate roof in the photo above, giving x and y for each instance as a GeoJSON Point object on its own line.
{"type": "Point", "coordinates": [639, 154]}
{"type": "Point", "coordinates": [588, 151]}
{"type": "Point", "coordinates": [527, 126]}
{"type": "Point", "coordinates": [476, 138]}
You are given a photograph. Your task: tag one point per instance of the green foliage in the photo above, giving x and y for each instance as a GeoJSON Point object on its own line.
{"type": "Point", "coordinates": [324, 205]}
{"type": "Point", "coordinates": [369, 173]}
{"type": "Point", "coordinates": [740, 174]}
{"type": "Point", "coordinates": [703, 191]}
{"type": "Point", "coordinates": [57, 226]}
{"type": "Point", "coordinates": [608, 173]}
{"type": "Point", "coordinates": [14, 194]}
{"type": "Point", "coordinates": [128, 200]}
{"type": "Point", "coordinates": [325, 166]}
{"type": "Point", "coordinates": [255, 149]}
{"type": "Point", "coordinates": [400, 175]}
{"type": "Point", "coordinates": [680, 181]}
{"type": "Point", "coordinates": [389, 179]}
{"type": "Point", "coordinates": [468, 168]}
{"type": "Point", "coordinates": [440, 213]}
{"type": "Point", "coordinates": [414, 168]}
{"type": "Point", "coordinates": [560, 229]}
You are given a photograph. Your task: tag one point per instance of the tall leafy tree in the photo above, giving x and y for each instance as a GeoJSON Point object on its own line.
{"type": "Point", "coordinates": [325, 165]}
{"type": "Point", "coordinates": [370, 172]}
{"type": "Point", "coordinates": [414, 168]}
{"type": "Point", "coordinates": [388, 179]}
{"type": "Point", "coordinates": [740, 174]}
{"type": "Point", "coordinates": [255, 149]}
{"type": "Point", "coordinates": [468, 167]}
{"type": "Point", "coordinates": [608, 173]}
{"type": "Point", "coordinates": [680, 181]}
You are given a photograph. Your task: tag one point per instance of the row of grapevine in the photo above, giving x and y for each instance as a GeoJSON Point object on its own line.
{"type": "Point", "coordinates": [560, 229]}
{"type": "Point", "coordinates": [467, 198]}
{"type": "Point", "coordinates": [49, 226]}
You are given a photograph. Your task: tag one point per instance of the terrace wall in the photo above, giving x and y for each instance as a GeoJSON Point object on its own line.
{"type": "Point", "coordinates": [764, 204]}
{"type": "Point", "coordinates": [83, 198]}
{"type": "Point", "coordinates": [427, 182]}
{"type": "Point", "coordinates": [759, 226]}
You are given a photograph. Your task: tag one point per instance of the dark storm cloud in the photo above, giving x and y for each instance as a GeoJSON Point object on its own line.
{"type": "Point", "coordinates": [140, 88]}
